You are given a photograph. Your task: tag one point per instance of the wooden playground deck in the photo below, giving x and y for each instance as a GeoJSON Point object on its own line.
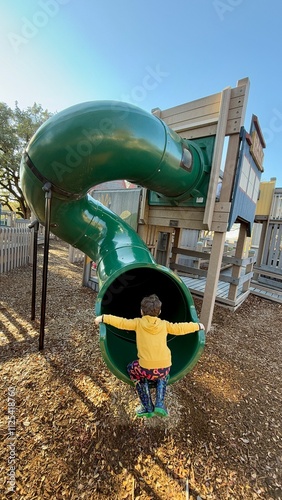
{"type": "Point", "coordinates": [197, 289]}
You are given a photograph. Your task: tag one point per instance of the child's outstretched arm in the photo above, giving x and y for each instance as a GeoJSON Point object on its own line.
{"type": "Point", "coordinates": [121, 323]}
{"type": "Point", "coordinates": [183, 328]}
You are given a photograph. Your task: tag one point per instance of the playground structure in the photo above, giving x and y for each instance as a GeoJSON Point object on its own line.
{"type": "Point", "coordinates": [267, 239]}
{"type": "Point", "coordinates": [176, 155]}
{"type": "Point", "coordinates": [213, 123]}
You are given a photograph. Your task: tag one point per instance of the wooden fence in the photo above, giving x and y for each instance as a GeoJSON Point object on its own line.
{"type": "Point", "coordinates": [14, 247]}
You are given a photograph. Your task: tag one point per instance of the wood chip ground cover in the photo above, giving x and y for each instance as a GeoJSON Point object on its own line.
{"type": "Point", "coordinates": [76, 436]}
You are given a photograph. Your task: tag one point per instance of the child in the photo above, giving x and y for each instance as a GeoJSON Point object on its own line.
{"type": "Point", "coordinates": [154, 356]}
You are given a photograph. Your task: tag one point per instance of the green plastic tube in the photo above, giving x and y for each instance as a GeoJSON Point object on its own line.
{"type": "Point", "coordinates": [95, 142]}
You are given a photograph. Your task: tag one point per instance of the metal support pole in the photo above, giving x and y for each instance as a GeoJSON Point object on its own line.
{"type": "Point", "coordinates": [35, 226]}
{"type": "Point", "coordinates": [48, 195]}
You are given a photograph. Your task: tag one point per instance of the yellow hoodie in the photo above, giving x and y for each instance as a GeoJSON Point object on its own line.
{"type": "Point", "coordinates": [151, 334]}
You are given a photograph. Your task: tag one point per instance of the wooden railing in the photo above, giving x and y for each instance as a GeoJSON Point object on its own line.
{"type": "Point", "coordinates": [241, 269]}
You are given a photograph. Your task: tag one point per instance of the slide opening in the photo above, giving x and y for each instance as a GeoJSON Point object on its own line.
{"type": "Point", "coordinates": [123, 298]}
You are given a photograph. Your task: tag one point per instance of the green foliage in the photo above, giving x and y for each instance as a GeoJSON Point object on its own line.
{"type": "Point", "coordinates": [16, 129]}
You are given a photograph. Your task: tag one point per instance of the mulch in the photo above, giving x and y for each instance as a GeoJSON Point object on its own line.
{"type": "Point", "coordinates": [76, 435]}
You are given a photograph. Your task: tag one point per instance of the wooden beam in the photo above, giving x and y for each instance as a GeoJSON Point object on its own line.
{"type": "Point", "coordinates": [212, 279]}
{"type": "Point", "coordinates": [217, 156]}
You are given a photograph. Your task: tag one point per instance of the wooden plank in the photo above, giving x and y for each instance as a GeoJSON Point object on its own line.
{"type": "Point", "coordinates": [267, 245]}
{"type": "Point", "coordinates": [204, 113]}
{"type": "Point", "coordinates": [233, 127]}
{"type": "Point", "coordinates": [236, 111]}
{"type": "Point", "coordinates": [143, 208]}
{"type": "Point", "coordinates": [188, 218]}
{"type": "Point", "coordinates": [221, 206]}
{"type": "Point", "coordinates": [211, 100]}
{"type": "Point", "coordinates": [208, 113]}
{"type": "Point", "coordinates": [236, 261]}
{"type": "Point", "coordinates": [277, 252]}
{"type": "Point", "coordinates": [219, 227]}
{"type": "Point", "coordinates": [268, 290]}
{"type": "Point", "coordinates": [260, 293]}
{"type": "Point", "coordinates": [235, 101]}
{"type": "Point", "coordinates": [188, 269]}
{"type": "Point", "coordinates": [191, 253]}
{"type": "Point", "coordinates": [176, 212]}
{"type": "Point", "coordinates": [267, 272]}
{"type": "Point", "coordinates": [197, 131]}
{"type": "Point", "coordinates": [230, 167]}
{"type": "Point", "coordinates": [242, 91]}
{"type": "Point", "coordinates": [220, 217]}
{"type": "Point", "coordinates": [272, 245]}
{"type": "Point", "coordinates": [181, 224]}
{"type": "Point", "coordinates": [217, 156]}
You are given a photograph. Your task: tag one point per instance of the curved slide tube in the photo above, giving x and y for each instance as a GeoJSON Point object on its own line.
{"type": "Point", "coordinates": [95, 142]}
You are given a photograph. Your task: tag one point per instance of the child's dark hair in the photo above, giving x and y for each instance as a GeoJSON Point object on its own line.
{"type": "Point", "coordinates": [151, 305]}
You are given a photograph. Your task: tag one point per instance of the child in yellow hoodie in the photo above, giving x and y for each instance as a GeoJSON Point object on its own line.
{"type": "Point", "coordinates": [154, 356]}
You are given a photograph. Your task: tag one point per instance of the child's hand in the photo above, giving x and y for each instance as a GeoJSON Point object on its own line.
{"type": "Point", "coordinates": [98, 320]}
{"type": "Point", "coordinates": [201, 326]}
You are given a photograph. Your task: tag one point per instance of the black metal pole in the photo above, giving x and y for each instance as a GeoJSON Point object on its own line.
{"type": "Point", "coordinates": [35, 226]}
{"type": "Point", "coordinates": [48, 195]}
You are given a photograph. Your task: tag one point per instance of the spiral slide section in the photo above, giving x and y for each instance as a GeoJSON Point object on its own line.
{"type": "Point", "coordinates": [96, 142]}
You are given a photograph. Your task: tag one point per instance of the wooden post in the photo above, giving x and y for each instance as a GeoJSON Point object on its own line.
{"type": "Point", "coordinates": [197, 262]}
{"type": "Point", "coordinates": [225, 196]}
{"type": "Point", "coordinates": [239, 254]}
{"type": "Point", "coordinates": [217, 156]}
{"type": "Point", "coordinates": [261, 246]}
{"type": "Point", "coordinates": [86, 270]}
{"type": "Point", "coordinates": [212, 279]}
{"type": "Point", "coordinates": [249, 269]}
{"type": "Point", "coordinates": [177, 239]}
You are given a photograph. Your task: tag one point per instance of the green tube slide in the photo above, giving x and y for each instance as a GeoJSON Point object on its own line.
{"type": "Point", "coordinates": [95, 142]}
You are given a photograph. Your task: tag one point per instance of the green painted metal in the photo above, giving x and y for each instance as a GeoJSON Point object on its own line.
{"type": "Point", "coordinates": [95, 142]}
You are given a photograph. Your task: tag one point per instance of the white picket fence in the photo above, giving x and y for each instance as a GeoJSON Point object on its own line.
{"type": "Point", "coordinates": [14, 247]}
{"type": "Point", "coordinates": [75, 255]}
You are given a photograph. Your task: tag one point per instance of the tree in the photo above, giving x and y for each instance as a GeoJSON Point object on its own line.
{"type": "Point", "coordinates": [16, 129]}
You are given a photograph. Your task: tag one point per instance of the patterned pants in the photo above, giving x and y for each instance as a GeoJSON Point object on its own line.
{"type": "Point", "coordinates": [136, 372]}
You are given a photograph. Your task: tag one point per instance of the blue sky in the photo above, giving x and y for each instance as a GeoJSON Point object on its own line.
{"type": "Point", "coordinates": [62, 52]}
